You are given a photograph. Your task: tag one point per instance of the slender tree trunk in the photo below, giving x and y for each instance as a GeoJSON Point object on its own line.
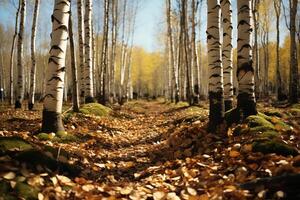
{"type": "Point", "coordinates": [81, 49]}
{"type": "Point", "coordinates": [294, 76]}
{"type": "Point", "coordinates": [172, 55]}
{"type": "Point", "coordinates": [33, 60]}
{"type": "Point", "coordinates": [123, 55]}
{"type": "Point", "coordinates": [277, 8]}
{"type": "Point", "coordinates": [216, 100]}
{"type": "Point", "coordinates": [52, 120]}
{"type": "Point", "coordinates": [189, 91]}
{"type": "Point", "coordinates": [88, 72]}
{"type": "Point", "coordinates": [11, 80]}
{"type": "Point", "coordinates": [20, 90]}
{"type": "Point", "coordinates": [75, 96]}
{"type": "Point", "coordinates": [245, 71]}
{"type": "Point", "coordinates": [114, 36]}
{"type": "Point", "coordinates": [255, 14]}
{"type": "Point", "coordinates": [194, 60]}
{"type": "Point", "coordinates": [227, 53]}
{"type": "Point", "coordinates": [104, 63]}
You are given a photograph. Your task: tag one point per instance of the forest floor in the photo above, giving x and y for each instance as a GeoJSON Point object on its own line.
{"type": "Point", "coordinates": [150, 150]}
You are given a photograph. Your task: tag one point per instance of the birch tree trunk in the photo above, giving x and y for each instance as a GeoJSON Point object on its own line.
{"type": "Point", "coordinates": [194, 60]}
{"type": "Point", "coordinates": [255, 14]}
{"type": "Point", "coordinates": [123, 55]}
{"type": "Point", "coordinates": [114, 36]}
{"type": "Point", "coordinates": [75, 96]}
{"type": "Point", "coordinates": [11, 79]}
{"type": "Point", "coordinates": [277, 8]}
{"type": "Point", "coordinates": [227, 53]}
{"type": "Point", "coordinates": [20, 89]}
{"type": "Point", "coordinates": [172, 55]}
{"type": "Point", "coordinates": [88, 72]}
{"type": "Point", "coordinates": [293, 97]}
{"type": "Point", "coordinates": [104, 63]}
{"type": "Point", "coordinates": [81, 50]}
{"type": "Point", "coordinates": [245, 71]}
{"type": "Point", "coordinates": [33, 60]}
{"type": "Point", "coordinates": [52, 120]}
{"type": "Point", "coordinates": [215, 86]}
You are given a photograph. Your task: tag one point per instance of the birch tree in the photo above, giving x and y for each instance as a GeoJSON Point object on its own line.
{"type": "Point", "coordinates": [81, 49]}
{"type": "Point", "coordinates": [227, 53]}
{"type": "Point", "coordinates": [277, 8]}
{"type": "Point", "coordinates": [75, 96]}
{"type": "Point", "coordinates": [171, 51]}
{"type": "Point", "coordinates": [33, 59]}
{"type": "Point", "coordinates": [20, 89]}
{"type": "Point", "coordinates": [245, 71]}
{"type": "Point", "coordinates": [52, 120]}
{"type": "Point", "coordinates": [11, 80]}
{"type": "Point", "coordinates": [294, 74]}
{"type": "Point", "coordinates": [88, 72]}
{"type": "Point", "coordinates": [215, 87]}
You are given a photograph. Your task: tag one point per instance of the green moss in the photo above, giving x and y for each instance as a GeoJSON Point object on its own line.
{"type": "Point", "coordinates": [273, 146]}
{"type": "Point", "coordinates": [269, 134]}
{"type": "Point", "coordinates": [181, 104]}
{"type": "Point", "coordinates": [95, 109]}
{"type": "Point", "coordinates": [13, 144]}
{"type": "Point", "coordinates": [273, 113]}
{"type": "Point", "coordinates": [257, 120]}
{"type": "Point", "coordinates": [43, 136]}
{"type": "Point", "coordinates": [25, 191]}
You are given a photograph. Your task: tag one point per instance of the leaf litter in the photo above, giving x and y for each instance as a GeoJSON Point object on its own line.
{"type": "Point", "coordinates": [147, 150]}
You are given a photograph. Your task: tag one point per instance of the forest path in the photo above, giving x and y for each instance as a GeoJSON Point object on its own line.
{"type": "Point", "coordinates": [133, 139]}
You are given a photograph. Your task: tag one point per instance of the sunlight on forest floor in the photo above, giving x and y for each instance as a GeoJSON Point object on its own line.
{"type": "Point", "coordinates": [147, 150]}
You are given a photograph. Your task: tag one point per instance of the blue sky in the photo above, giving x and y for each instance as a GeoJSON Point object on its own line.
{"type": "Point", "coordinates": [150, 21]}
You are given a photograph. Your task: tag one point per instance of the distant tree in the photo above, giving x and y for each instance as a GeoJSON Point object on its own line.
{"type": "Point", "coordinates": [33, 57]}
{"type": "Point", "coordinates": [277, 8]}
{"type": "Point", "coordinates": [75, 95]}
{"type": "Point", "coordinates": [52, 120]}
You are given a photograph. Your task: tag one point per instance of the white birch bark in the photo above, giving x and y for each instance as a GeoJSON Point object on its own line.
{"type": "Point", "coordinates": [11, 82]}
{"type": "Point", "coordinates": [53, 99]}
{"type": "Point", "coordinates": [245, 70]}
{"type": "Point", "coordinates": [88, 72]}
{"type": "Point", "coordinates": [33, 59]}
{"type": "Point", "coordinates": [20, 64]}
{"type": "Point", "coordinates": [227, 53]}
{"type": "Point", "coordinates": [81, 49]}
{"type": "Point", "coordinates": [215, 86]}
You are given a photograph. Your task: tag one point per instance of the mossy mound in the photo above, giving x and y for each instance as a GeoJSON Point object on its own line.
{"type": "Point", "coordinates": [261, 123]}
{"type": "Point", "coordinates": [295, 112]}
{"type": "Point", "coordinates": [275, 113]}
{"type": "Point", "coordinates": [11, 144]}
{"type": "Point", "coordinates": [25, 191]}
{"type": "Point", "coordinates": [273, 146]}
{"type": "Point", "coordinates": [95, 109]}
{"type": "Point", "coordinates": [61, 136]}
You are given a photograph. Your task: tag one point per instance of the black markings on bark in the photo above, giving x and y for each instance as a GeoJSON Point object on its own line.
{"type": "Point", "coordinates": [52, 122]}
{"type": "Point", "coordinates": [216, 115]}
